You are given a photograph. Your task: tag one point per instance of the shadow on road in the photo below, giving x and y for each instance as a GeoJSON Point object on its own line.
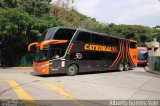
{"type": "Point", "coordinates": [50, 75]}
{"type": "Point", "coordinates": [82, 73]}
{"type": "Point", "coordinates": [141, 66]}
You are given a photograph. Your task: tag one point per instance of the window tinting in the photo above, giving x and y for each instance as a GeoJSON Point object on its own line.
{"type": "Point", "coordinates": [50, 33]}
{"type": "Point", "coordinates": [61, 45]}
{"type": "Point", "coordinates": [132, 45]}
{"type": "Point", "coordinates": [84, 37]}
{"type": "Point", "coordinates": [108, 40]}
{"type": "Point", "coordinates": [96, 38]}
{"type": "Point", "coordinates": [115, 42]}
{"type": "Point", "coordinates": [41, 55]}
{"type": "Point", "coordinates": [54, 52]}
{"type": "Point", "coordinates": [64, 34]}
{"type": "Point", "coordinates": [142, 55]}
{"type": "Point", "coordinates": [111, 41]}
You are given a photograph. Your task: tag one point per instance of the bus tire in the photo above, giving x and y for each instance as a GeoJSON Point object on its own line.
{"type": "Point", "coordinates": [72, 70]}
{"type": "Point", "coordinates": [120, 67]}
{"type": "Point", "coordinates": [126, 67]}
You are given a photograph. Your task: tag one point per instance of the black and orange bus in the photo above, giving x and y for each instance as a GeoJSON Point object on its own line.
{"type": "Point", "coordinates": [71, 50]}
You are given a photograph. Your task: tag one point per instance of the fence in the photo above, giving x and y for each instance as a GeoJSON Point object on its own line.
{"type": "Point", "coordinates": [16, 59]}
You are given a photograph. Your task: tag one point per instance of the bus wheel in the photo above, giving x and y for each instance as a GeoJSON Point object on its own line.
{"type": "Point", "coordinates": [126, 67]}
{"type": "Point", "coordinates": [72, 70]}
{"type": "Point", "coordinates": [120, 67]}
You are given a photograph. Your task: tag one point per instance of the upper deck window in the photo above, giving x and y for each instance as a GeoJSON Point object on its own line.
{"type": "Point", "coordinates": [133, 45]}
{"type": "Point", "coordinates": [97, 38]}
{"type": "Point", "coordinates": [47, 34]}
{"type": "Point", "coordinates": [50, 33]}
{"type": "Point", "coordinates": [84, 37]}
{"type": "Point", "coordinates": [64, 34]}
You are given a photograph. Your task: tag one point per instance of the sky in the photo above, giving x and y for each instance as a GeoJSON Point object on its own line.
{"type": "Point", "coordinates": [131, 12]}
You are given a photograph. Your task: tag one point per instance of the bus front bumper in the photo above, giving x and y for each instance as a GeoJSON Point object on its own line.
{"type": "Point", "coordinates": [42, 67]}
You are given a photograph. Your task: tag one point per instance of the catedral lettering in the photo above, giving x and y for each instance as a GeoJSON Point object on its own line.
{"type": "Point", "coordinates": [100, 48]}
{"type": "Point", "coordinates": [71, 51]}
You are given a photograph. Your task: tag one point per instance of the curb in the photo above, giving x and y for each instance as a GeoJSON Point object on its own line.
{"type": "Point", "coordinates": [150, 71]}
{"type": "Point", "coordinates": [22, 67]}
{"type": "Point", "coordinates": [16, 67]}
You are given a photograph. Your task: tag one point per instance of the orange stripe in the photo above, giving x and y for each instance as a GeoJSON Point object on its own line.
{"type": "Point", "coordinates": [127, 50]}
{"type": "Point", "coordinates": [123, 51]}
{"type": "Point", "coordinates": [130, 55]}
{"type": "Point", "coordinates": [30, 45]}
{"type": "Point", "coordinates": [118, 55]}
{"type": "Point", "coordinates": [49, 42]}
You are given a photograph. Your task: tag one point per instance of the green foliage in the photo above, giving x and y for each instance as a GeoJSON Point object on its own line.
{"type": "Point", "coordinates": [16, 22]}
{"type": "Point", "coordinates": [19, 27]}
{"type": "Point", "coordinates": [33, 7]}
{"type": "Point", "coordinates": [9, 3]}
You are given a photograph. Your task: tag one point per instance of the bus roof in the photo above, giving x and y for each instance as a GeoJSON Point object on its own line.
{"type": "Point", "coordinates": [103, 34]}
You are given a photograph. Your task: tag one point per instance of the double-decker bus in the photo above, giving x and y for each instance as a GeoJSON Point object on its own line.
{"type": "Point", "coordinates": [142, 56]}
{"type": "Point", "coordinates": [70, 50]}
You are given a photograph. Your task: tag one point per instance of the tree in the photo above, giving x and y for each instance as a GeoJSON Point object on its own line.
{"type": "Point", "coordinates": [13, 24]}
{"type": "Point", "coordinates": [63, 9]}
{"type": "Point", "coordinates": [33, 7]}
{"type": "Point", "coordinates": [9, 3]}
{"type": "Point", "coordinates": [36, 7]}
{"type": "Point", "coordinates": [19, 27]}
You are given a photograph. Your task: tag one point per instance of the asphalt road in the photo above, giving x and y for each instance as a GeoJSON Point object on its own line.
{"type": "Point", "coordinates": [89, 89]}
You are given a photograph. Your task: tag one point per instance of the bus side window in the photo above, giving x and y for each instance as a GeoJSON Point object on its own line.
{"type": "Point", "coordinates": [115, 42]}
{"type": "Point", "coordinates": [64, 34]}
{"type": "Point", "coordinates": [62, 52]}
{"type": "Point", "coordinates": [108, 40]}
{"type": "Point", "coordinates": [54, 53]}
{"type": "Point", "coordinates": [133, 45]}
{"type": "Point", "coordinates": [98, 39]}
{"type": "Point", "coordinates": [83, 37]}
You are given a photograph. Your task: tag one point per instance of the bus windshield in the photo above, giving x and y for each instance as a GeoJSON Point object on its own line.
{"type": "Point", "coordinates": [47, 34]}
{"type": "Point", "coordinates": [41, 55]}
{"type": "Point", "coordinates": [52, 51]}
{"type": "Point", "coordinates": [142, 55]}
{"type": "Point", "coordinates": [58, 34]}
{"type": "Point", "coordinates": [57, 50]}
